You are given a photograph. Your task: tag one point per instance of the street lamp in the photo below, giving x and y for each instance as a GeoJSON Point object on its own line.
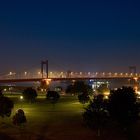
{"type": "Point", "coordinates": [25, 73]}
{"type": "Point", "coordinates": [10, 73]}
{"type": "Point", "coordinates": [21, 97]}
{"type": "Point", "coordinates": [39, 73]}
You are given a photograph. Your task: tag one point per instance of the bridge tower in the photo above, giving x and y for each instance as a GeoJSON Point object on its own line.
{"type": "Point", "coordinates": [135, 80]}
{"type": "Point", "coordinates": [132, 69]}
{"type": "Point", "coordinates": [44, 64]}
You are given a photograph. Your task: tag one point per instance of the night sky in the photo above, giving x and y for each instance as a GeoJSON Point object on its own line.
{"type": "Point", "coordinates": [77, 35]}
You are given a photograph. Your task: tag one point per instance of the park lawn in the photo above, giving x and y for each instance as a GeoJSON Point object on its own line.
{"type": "Point", "coordinates": [42, 114]}
{"type": "Point", "coordinates": [60, 122]}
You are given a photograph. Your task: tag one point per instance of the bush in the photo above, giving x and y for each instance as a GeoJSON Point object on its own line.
{"type": "Point", "coordinates": [123, 106]}
{"type": "Point", "coordinates": [83, 98]}
{"type": "Point", "coordinates": [19, 118]}
{"type": "Point", "coordinates": [96, 113]}
{"type": "Point", "coordinates": [30, 94]}
{"type": "Point", "coordinates": [53, 96]}
{"type": "Point", "coordinates": [1, 93]}
{"type": "Point", "coordinates": [79, 87]}
{"type": "Point", "coordinates": [6, 106]}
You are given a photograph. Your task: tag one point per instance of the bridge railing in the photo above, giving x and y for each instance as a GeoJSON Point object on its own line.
{"type": "Point", "coordinates": [69, 75]}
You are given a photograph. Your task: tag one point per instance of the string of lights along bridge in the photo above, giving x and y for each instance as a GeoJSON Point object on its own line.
{"type": "Point", "coordinates": [44, 73]}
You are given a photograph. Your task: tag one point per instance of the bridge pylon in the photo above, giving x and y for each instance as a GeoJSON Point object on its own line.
{"type": "Point", "coordinates": [44, 64]}
{"type": "Point", "coordinates": [132, 69]}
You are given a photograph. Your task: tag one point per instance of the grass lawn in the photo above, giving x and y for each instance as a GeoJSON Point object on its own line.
{"type": "Point", "coordinates": [47, 122]}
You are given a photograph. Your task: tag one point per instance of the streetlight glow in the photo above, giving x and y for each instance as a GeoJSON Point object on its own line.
{"type": "Point", "coordinates": [10, 73]}
{"type": "Point", "coordinates": [21, 97]}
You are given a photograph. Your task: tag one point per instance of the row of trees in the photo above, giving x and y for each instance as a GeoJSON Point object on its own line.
{"type": "Point", "coordinates": [79, 88]}
{"type": "Point", "coordinates": [29, 94]}
{"type": "Point", "coordinates": [121, 106]}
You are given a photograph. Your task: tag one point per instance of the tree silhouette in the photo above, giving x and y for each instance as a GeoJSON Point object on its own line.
{"type": "Point", "coordinates": [30, 94]}
{"type": "Point", "coordinates": [79, 87]}
{"type": "Point", "coordinates": [6, 106]}
{"type": "Point", "coordinates": [19, 118]}
{"type": "Point", "coordinates": [96, 113]}
{"type": "Point", "coordinates": [52, 96]}
{"type": "Point", "coordinates": [1, 93]}
{"type": "Point", "coordinates": [83, 98]}
{"type": "Point", "coordinates": [123, 106]}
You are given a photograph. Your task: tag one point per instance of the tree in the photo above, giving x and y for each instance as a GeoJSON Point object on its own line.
{"type": "Point", "coordinates": [1, 93]}
{"type": "Point", "coordinates": [79, 87]}
{"type": "Point", "coordinates": [123, 106]}
{"type": "Point", "coordinates": [83, 98]}
{"type": "Point", "coordinates": [52, 96]}
{"type": "Point", "coordinates": [6, 106]}
{"type": "Point", "coordinates": [29, 94]}
{"type": "Point", "coordinates": [96, 113]}
{"type": "Point", "coordinates": [19, 118]}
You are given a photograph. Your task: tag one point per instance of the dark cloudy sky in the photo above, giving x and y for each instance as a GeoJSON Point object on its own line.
{"type": "Point", "coordinates": [83, 35]}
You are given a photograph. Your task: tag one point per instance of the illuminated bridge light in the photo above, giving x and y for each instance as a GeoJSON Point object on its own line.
{"type": "Point", "coordinates": [39, 73]}
{"type": "Point", "coordinates": [89, 73]}
{"type": "Point", "coordinates": [116, 74]}
{"type": "Point", "coordinates": [25, 73]}
{"type": "Point", "coordinates": [131, 74]}
{"type": "Point", "coordinates": [47, 81]}
{"type": "Point", "coordinates": [96, 73]}
{"type": "Point", "coordinates": [121, 74]}
{"type": "Point", "coordinates": [135, 78]}
{"type": "Point", "coordinates": [10, 73]}
{"type": "Point", "coordinates": [71, 73]}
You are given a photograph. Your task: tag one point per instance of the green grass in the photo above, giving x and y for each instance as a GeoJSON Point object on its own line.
{"type": "Point", "coordinates": [47, 122]}
{"type": "Point", "coordinates": [42, 113]}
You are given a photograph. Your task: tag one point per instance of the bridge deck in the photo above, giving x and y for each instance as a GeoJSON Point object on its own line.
{"type": "Point", "coordinates": [62, 79]}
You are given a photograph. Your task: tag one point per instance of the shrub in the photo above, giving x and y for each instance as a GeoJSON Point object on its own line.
{"type": "Point", "coordinates": [19, 118]}
{"type": "Point", "coordinates": [53, 96]}
{"type": "Point", "coordinates": [30, 94]}
{"type": "Point", "coordinates": [83, 98]}
{"type": "Point", "coordinates": [6, 106]}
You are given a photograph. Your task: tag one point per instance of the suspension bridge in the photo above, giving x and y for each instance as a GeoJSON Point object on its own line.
{"type": "Point", "coordinates": [45, 74]}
